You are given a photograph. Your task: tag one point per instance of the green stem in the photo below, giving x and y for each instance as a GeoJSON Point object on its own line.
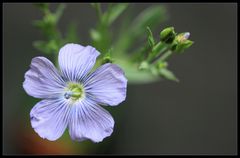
{"type": "Point", "coordinates": [140, 53]}
{"type": "Point", "coordinates": [166, 55]}
{"type": "Point", "coordinates": [157, 50]}
{"type": "Point", "coordinates": [108, 14]}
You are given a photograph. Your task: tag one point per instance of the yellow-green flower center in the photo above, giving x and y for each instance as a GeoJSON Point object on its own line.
{"type": "Point", "coordinates": [74, 91]}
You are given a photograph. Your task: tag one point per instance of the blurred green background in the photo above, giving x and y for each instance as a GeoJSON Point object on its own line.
{"type": "Point", "coordinates": [196, 116]}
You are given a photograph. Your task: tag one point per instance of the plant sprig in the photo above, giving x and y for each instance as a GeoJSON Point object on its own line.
{"type": "Point", "coordinates": [142, 60]}
{"type": "Point", "coordinates": [48, 25]}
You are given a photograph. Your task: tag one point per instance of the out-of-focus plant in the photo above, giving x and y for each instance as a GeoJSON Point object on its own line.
{"type": "Point", "coordinates": [143, 58]}
{"type": "Point", "coordinates": [54, 38]}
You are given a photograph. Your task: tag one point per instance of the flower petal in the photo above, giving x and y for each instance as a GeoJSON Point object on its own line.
{"type": "Point", "coordinates": [107, 85]}
{"type": "Point", "coordinates": [90, 121]}
{"type": "Point", "coordinates": [42, 80]}
{"type": "Point", "coordinates": [76, 61]}
{"type": "Point", "coordinates": [50, 117]}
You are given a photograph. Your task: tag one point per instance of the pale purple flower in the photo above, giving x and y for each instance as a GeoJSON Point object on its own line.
{"type": "Point", "coordinates": [72, 97]}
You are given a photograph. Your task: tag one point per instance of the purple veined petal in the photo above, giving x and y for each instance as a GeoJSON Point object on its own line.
{"type": "Point", "coordinates": [50, 118]}
{"type": "Point", "coordinates": [42, 80]}
{"type": "Point", "coordinates": [90, 121]}
{"type": "Point", "coordinates": [107, 85]}
{"type": "Point", "coordinates": [76, 61]}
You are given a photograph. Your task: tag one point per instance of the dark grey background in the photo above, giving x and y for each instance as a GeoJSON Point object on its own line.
{"type": "Point", "coordinates": [196, 116]}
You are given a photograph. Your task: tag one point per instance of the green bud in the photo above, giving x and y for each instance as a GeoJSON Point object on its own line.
{"type": "Point", "coordinates": [180, 47]}
{"type": "Point", "coordinates": [107, 57]}
{"type": "Point", "coordinates": [181, 42]}
{"type": "Point", "coordinates": [167, 35]}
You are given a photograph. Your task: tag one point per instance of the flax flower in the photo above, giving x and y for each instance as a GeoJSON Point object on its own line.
{"type": "Point", "coordinates": [73, 95]}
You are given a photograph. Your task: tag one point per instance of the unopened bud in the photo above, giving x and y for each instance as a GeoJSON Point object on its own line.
{"type": "Point", "coordinates": [167, 35]}
{"type": "Point", "coordinates": [182, 37]}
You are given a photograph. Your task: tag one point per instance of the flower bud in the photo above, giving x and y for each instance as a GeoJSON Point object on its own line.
{"type": "Point", "coordinates": [182, 37]}
{"type": "Point", "coordinates": [181, 42]}
{"type": "Point", "coordinates": [108, 57]}
{"type": "Point", "coordinates": [167, 35]}
{"type": "Point", "coordinates": [183, 45]}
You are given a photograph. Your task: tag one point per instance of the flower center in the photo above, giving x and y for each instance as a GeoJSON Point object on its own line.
{"type": "Point", "coordinates": [74, 91]}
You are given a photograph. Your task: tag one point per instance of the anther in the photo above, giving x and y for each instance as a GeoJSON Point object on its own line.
{"type": "Point", "coordinates": [67, 95]}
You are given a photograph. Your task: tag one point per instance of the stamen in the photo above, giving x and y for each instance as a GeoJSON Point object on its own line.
{"type": "Point", "coordinates": [67, 95]}
{"type": "Point", "coordinates": [74, 91]}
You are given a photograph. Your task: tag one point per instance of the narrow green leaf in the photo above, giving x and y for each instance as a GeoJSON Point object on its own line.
{"type": "Point", "coordinates": [168, 74]}
{"type": "Point", "coordinates": [132, 72]}
{"type": "Point", "coordinates": [151, 17]}
{"type": "Point", "coordinates": [115, 11]}
{"type": "Point", "coordinates": [59, 11]}
{"type": "Point", "coordinates": [97, 7]}
{"type": "Point", "coordinates": [151, 41]}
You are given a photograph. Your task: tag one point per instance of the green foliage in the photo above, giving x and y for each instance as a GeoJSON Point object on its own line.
{"type": "Point", "coordinates": [48, 26]}
{"type": "Point", "coordinates": [113, 12]}
{"type": "Point", "coordinates": [101, 36]}
{"type": "Point", "coordinates": [71, 34]}
{"type": "Point", "coordinates": [150, 17]}
{"type": "Point", "coordinates": [181, 43]}
{"type": "Point", "coordinates": [151, 40]}
{"type": "Point", "coordinates": [156, 61]}
{"type": "Point", "coordinates": [107, 58]}
{"type": "Point", "coordinates": [144, 59]}
{"type": "Point", "coordinates": [167, 74]}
